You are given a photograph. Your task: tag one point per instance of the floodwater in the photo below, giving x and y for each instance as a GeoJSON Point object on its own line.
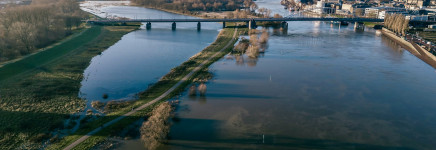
{"type": "Point", "coordinates": [318, 86]}
{"type": "Point", "coordinates": [141, 57]}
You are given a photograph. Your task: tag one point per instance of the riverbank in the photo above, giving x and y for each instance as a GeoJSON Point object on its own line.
{"type": "Point", "coordinates": [39, 92]}
{"type": "Point", "coordinates": [199, 14]}
{"type": "Point", "coordinates": [167, 87]}
{"type": "Point", "coordinates": [413, 48]}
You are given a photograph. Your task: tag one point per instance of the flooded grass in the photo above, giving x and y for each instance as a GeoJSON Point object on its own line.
{"type": "Point", "coordinates": [43, 94]}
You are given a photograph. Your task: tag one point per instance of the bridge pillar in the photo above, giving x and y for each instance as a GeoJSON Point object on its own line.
{"type": "Point", "coordinates": [284, 25]}
{"type": "Point", "coordinates": [148, 26]}
{"type": "Point", "coordinates": [284, 31]}
{"type": "Point", "coordinates": [252, 24]}
{"type": "Point", "coordinates": [173, 26]}
{"type": "Point", "coordinates": [359, 26]}
{"type": "Point", "coordinates": [198, 26]}
{"type": "Point", "coordinates": [224, 24]}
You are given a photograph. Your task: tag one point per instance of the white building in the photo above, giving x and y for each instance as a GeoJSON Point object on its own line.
{"type": "Point", "coordinates": [374, 12]}
{"type": "Point", "coordinates": [320, 4]}
{"type": "Point", "coordinates": [347, 7]}
{"type": "Point", "coordinates": [382, 14]}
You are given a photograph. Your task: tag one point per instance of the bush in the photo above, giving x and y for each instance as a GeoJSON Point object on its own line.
{"type": "Point", "coordinates": [155, 130]}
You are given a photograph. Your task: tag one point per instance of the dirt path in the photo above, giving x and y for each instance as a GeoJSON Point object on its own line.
{"type": "Point", "coordinates": [83, 138]}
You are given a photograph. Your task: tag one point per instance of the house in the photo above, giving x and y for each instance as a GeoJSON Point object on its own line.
{"type": "Point", "coordinates": [359, 9]}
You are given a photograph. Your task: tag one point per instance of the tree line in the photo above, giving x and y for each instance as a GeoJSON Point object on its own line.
{"type": "Point", "coordinates": [199, 5]}
{"type": "Point", "coordinates": [23, 29]}
{"type": "Point", "coordinates": [397, 23]}
{"type": "Point", "coordinates": [261, 12]}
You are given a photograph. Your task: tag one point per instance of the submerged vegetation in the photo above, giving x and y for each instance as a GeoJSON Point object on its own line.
{"type": "Point", "coordinates": [254, 45]}
{"type": "Point", "coordinates": [155, 130]}
{"type": "Point", "coordinates": [242, 45]}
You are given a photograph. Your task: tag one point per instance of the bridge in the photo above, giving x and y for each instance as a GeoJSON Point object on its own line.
{"type": "Point", "coordinates": [251, 22]}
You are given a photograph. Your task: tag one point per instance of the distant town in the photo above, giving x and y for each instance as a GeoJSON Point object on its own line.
{"type": "Point", "coordinates": [422, 10]}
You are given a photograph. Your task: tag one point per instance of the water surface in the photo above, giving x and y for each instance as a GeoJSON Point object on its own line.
{"type": "Point", "coordinates": [317, 86]}
{"type": "Point", "coordinates": [141, 57]}
{"type": "Point", "coordinates": [320, 86]}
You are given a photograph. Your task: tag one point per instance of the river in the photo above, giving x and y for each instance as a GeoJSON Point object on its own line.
{"type": "Point", "coordinates": [319, 86]}
{"type": "Point", "coordinates": [141, 57]}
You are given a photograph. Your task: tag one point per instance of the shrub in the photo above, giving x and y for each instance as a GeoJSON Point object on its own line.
{"type": "Point", "coordinates": [155, 130]}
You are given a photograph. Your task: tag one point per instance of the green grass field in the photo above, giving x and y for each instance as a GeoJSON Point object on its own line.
{"type": "Point", "coordinates": [151, 93]}
{"type": "Point", "coordinates": [39, 92]}
{"type": "Point", "coordinates": [38, 60]}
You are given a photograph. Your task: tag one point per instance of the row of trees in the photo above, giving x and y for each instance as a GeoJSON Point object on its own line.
{"type": "Point", "coordinates": [155, 130]}
{"type": "Point", "coordinates": [199, 5]}
{"type": "Point", "coordinates": [24, 29]}
{"type": "Point", "coordinates": [397, 23]}
{"type": "Point", "coordinates": [253, 46]}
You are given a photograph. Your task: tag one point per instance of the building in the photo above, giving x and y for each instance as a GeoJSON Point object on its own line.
{"type": "Point", "coordinates": [382, 14]}
{"type": "Point", "coordinates": [332, 1]}
{"type": "Point", "coordinates": [347, 7]}
{"type": "Point", "coordinates": [432, 3]}
{"type": "Point", "coordinates": [417, 4]}
{"type": "Point", "coordinates": [379, 12]}
{"type": "Point", "coordinates": [418, 17]}
{"type": "Point", "coordinates": [359, 9]}
{"type": "Point", "coordinates": [320, 4]}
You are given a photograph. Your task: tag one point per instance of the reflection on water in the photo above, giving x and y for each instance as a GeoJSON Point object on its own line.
{"type": "Point", "coordinates": [317, 87]}
{"type": "Point", "coordinates": [141, 57]}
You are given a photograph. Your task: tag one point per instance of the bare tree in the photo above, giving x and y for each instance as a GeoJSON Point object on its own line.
{"type": "Point", "coordinates": [25, 35]}
{"type": "Point", "coordinates": [155, 130]}
{"type": "Point", "coordinates": [405, 26]}
{"type": "Point", "coordinates": [267, 13]}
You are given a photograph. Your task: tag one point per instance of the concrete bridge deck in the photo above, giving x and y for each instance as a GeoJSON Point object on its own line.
{"type": "Point", "coordinates": [238, 20]}
{"type": "Point", "coordinates": [251, 22]}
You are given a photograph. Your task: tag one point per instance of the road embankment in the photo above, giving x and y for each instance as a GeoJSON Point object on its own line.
{"type": "Point", "coordinates": [413, 48]}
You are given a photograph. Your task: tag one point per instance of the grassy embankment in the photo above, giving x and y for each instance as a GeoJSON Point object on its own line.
{"type": "Point", "coordinates": [74, 33]}
{"type": "Point", "coordinates": [165, 83]}
{"type": "Point", "coordinates": [39, 92]}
